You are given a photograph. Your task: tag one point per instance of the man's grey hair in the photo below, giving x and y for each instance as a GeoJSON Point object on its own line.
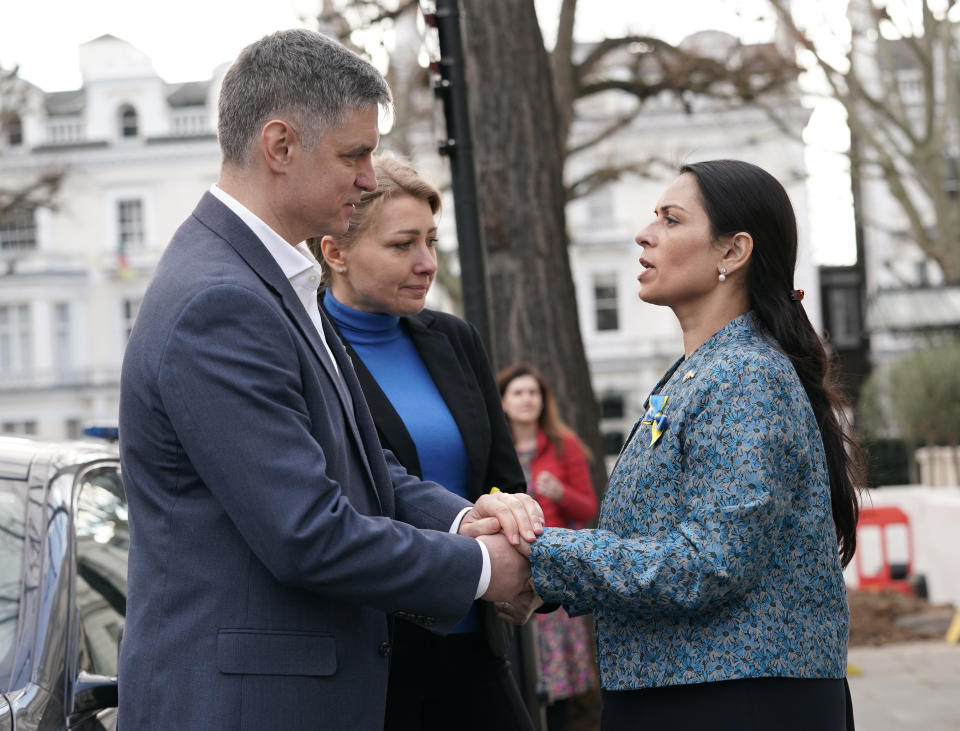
{"type": "Point", "coordinates": [306, 78]}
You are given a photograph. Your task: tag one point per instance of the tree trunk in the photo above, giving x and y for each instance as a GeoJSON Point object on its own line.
{"type": "Point", "coordinates": [519, 166]}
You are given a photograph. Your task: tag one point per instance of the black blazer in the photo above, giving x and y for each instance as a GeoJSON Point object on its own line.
{"type": "Point", "coordinates": [457, 363]}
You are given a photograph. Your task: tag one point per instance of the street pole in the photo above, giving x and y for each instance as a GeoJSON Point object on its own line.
{"type": "Point", "coordinates": [450, 85]}
{"type": "Point", "coordinates": [451, 88]}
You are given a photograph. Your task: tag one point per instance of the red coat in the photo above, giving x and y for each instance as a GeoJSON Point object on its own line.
{"type": "Point", "coordinates": [579, 502]}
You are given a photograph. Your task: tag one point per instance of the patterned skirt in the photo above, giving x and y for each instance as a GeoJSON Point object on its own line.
{"type": "Point", "coordinates": [566, 661]}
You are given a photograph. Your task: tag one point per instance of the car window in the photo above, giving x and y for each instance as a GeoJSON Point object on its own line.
{"type": "Point", "coordinates": [13, 510]}
{"type": "Point", "coordinates": [103, 539]}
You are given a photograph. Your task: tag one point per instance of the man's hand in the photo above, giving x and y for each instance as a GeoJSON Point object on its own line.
{"type": "Point", "coordinates": [517, 515]}
{"type": "Point", "coordinates": [519, 609]}
{"type": "Point", "coordinates": [509, 570]}
{"type": "Point", "coordinates": [475, 525]}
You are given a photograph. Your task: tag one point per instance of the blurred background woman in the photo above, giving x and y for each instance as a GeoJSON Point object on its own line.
{"type": "Point", "coordinates": [715, 575]}
{"type": "Point", "coordinates": [431, 392]}
{"type": "Point", "coordinates": [554, 462]}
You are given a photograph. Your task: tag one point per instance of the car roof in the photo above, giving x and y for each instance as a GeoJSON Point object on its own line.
{"type": "Point", "coordinates": [17, 454]}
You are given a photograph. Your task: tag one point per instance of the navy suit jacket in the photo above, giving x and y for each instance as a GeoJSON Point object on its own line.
{"type": "Point", "coordinates": [270, 533]}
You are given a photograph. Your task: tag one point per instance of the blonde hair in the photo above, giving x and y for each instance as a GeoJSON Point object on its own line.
{"type": "Point", "coordinates": [395, 177]}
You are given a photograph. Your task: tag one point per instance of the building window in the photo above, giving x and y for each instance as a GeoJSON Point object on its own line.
{"type": "Point", "coordinates": [953, 176]}
{"type": "Point", "coordinates": [18, 231]}
{"type": "Point", "coordinates": [13, 131]}
{"type": "Point", "coordinates": [130, 309]}
{"type": "Point", "coordinates": [62, 342]}
{"type": "Point", "coordinates": [130, 228]}
{"type": "Point", "coordinates": [128, 122]}
{"type": "Point", "coordinates": [611, 406]}
{"type": "Point", "coordinates": [600, 207]}
{"type": "Point", "coordinates": [15, 339]}
{"type": "Point", "coordinates": [605, 302]}
{"type": "Point", "coordinates": [612, 443]}
{"type": "Point", "coordinates": [843, 314]}
{"type": "Point", "coordinates": [73, 428]}
{"type": "Point", "coordinates": [27, 426]}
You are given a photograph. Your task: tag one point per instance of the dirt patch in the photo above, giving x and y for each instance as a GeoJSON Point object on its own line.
{"type": "Point", "coordinates": [880, 617]}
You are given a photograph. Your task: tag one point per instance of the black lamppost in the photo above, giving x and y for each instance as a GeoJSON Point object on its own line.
{"type": "Point", "coordinates": [450, 84]}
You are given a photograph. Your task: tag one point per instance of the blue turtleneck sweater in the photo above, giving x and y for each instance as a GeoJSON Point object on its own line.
{"type": "Point", "coordinates": [389, 354]}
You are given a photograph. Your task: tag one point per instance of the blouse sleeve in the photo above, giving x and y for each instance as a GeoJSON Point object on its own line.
{"type": "Point", "coordinates": [737, 458]}
{"type": "Point", "coordinates": [579, 501]}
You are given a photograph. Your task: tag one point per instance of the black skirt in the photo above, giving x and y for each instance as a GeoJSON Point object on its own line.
{"type": "Point", "coordinates": [750, 704]}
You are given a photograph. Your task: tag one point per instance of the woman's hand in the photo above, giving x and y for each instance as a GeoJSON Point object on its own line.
{"type": "Point", "coordinates": [549, 486]}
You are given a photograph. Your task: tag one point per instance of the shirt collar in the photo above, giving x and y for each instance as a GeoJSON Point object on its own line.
{"type": "Point", "coordinates": [292, 260]}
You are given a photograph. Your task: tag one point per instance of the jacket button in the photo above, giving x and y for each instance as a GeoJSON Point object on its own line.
{"type": "Point", "coordinates": [384, 649]}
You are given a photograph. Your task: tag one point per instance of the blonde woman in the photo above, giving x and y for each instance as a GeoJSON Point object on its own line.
{"type": "Point", "coordinates": [429, 387]}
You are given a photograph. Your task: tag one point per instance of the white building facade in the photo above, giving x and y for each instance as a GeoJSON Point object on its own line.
{"type": "Point", "coordinates": [909, 302]}
{"type": "Point", "coordinates": [134, 154]}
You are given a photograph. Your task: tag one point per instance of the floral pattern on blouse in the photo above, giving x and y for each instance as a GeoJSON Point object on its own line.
{"type": "Point", "coordinates": [715, 557]}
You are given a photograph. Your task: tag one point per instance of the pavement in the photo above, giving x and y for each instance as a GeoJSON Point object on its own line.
{"type": "Point", "coordinates": [906, 686]}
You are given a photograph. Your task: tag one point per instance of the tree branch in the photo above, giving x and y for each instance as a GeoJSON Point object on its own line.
{"type": "Point", "coordinates": [608, 131]}
{"type": "Point", "coordinates": [596, 179]}
{"type": "Point", "coordinates": [40, 192]}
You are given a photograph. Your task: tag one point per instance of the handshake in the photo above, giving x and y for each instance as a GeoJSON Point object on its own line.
{"type": "Point", "coordinates": [507, 524]}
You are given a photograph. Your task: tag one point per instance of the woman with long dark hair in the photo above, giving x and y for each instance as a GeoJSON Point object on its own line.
{"type": "Point", "coordinates": [715, 575]}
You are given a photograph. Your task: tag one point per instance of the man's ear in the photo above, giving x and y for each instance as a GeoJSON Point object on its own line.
{"type": "Point", "coordinates": [738, 251]}
{"type": "Point", "coordinates": [277, 140]}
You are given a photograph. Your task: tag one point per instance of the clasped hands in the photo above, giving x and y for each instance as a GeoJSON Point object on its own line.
{"type": "Point", "coordinates": [507, 524]}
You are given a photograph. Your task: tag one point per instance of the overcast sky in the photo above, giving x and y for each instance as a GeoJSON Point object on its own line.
{"type": "Point", "coordinates": [187, 39]}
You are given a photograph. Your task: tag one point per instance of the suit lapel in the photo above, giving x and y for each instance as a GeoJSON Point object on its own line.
{"type": "Point", "coordinates": [364, 429]}
{"type": "Point", "coordinates": [218, 217]}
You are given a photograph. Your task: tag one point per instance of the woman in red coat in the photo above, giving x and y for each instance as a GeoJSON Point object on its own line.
{"type": "Point", "coordinates": [554, 461]}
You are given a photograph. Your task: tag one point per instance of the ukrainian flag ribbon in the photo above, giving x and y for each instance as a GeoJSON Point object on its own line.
{"type": "Point", "coordinates": [655, 417]}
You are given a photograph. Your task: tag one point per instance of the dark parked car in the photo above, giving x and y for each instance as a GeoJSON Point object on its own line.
{"type": "Point", "coordinates": [63, 568]}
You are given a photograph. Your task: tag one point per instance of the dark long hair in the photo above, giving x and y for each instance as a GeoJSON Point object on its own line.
{"type": "Point", "coordinates": [738, 196]}
{"type": "Point", "coordinates": [549, 420]}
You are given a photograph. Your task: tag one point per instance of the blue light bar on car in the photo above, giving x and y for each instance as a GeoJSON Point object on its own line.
{"type": "Point", "coordinates": [102, 432]}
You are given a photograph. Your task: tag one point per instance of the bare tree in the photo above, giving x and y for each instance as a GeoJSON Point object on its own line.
{"type": "Point", "coordinates": [523, 106]}
{"type": "Point", "coordinates": [518, 141]}
{"type": "Point", "coordinates": [896, 77]}
{"type": "Point", "coordinates": [642, 67]}
{"type": "Point", "coordinates": [41, 189]}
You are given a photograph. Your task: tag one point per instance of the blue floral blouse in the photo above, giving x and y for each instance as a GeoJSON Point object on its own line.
{"type": "Point", "coordinates": [715, 557]}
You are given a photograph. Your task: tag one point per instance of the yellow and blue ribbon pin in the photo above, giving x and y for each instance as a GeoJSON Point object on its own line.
{"type": "Point", "coordinates": [655, 417]}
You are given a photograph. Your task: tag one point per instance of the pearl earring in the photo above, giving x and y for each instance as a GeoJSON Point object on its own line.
{"type": "Point", "coordinates": [340, 269]}
{"type": "Point", "coordinates": [723, 274]}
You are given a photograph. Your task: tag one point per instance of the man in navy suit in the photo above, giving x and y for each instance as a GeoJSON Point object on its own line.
{"type": "Point", "coordinates": [271, 536]}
